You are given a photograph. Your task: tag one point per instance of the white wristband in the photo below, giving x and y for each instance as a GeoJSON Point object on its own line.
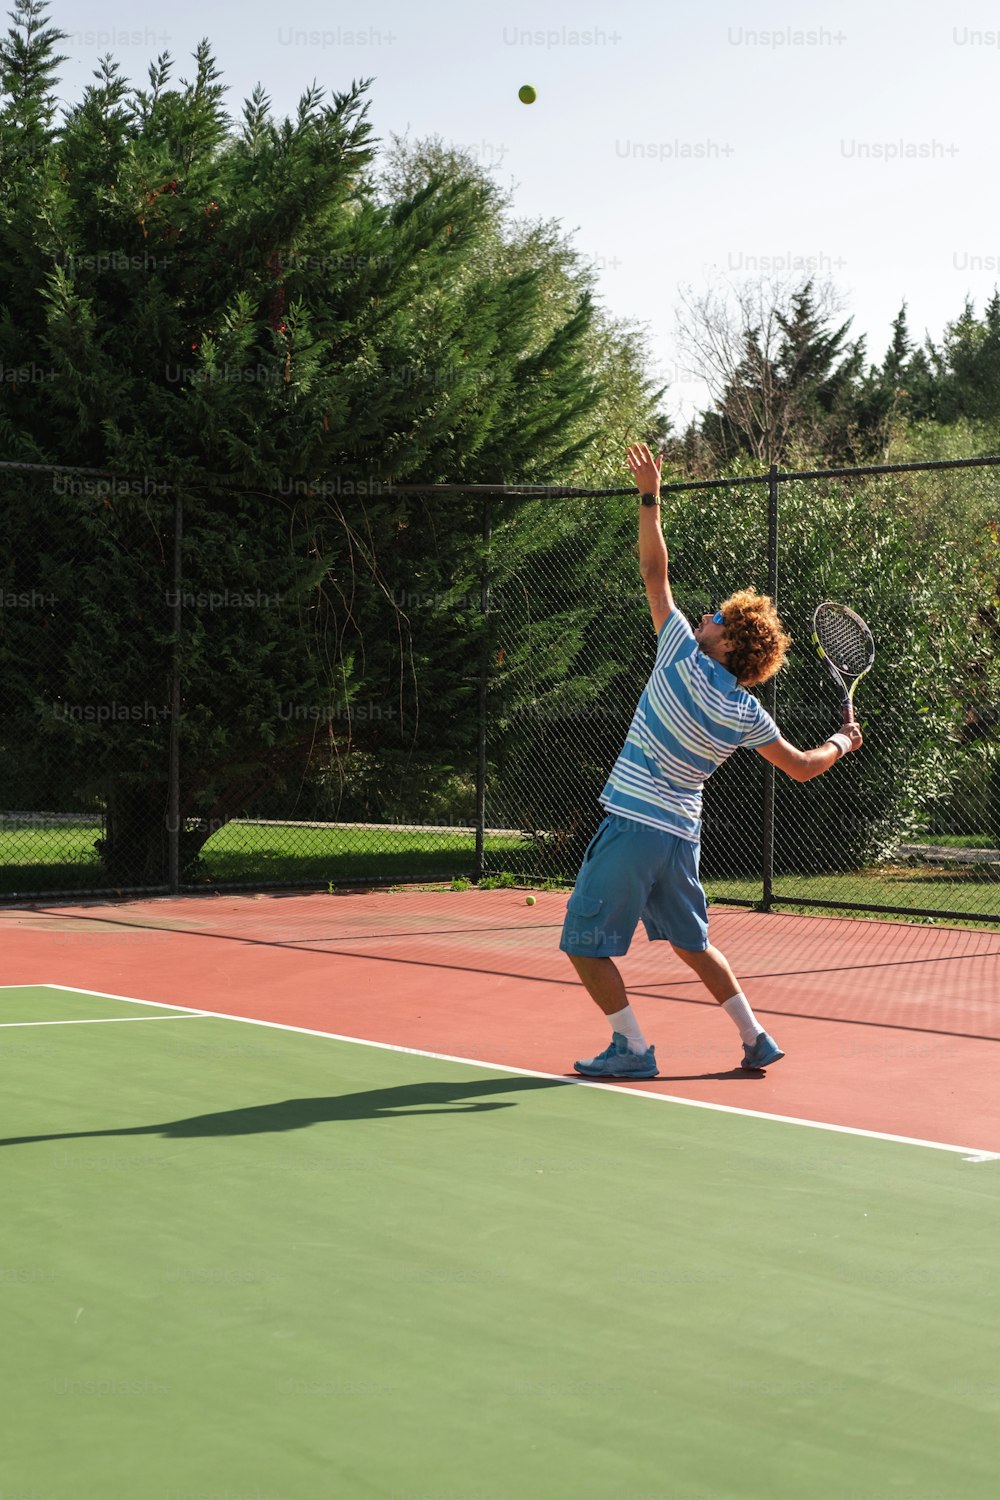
{"type": "Point", "coordinates": [841, 741]}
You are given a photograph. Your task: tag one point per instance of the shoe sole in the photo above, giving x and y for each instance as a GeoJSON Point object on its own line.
{"type": "Point", "coordinates": [759, 1067]}
{"type": "Point", "coordinates": [632, 1073]}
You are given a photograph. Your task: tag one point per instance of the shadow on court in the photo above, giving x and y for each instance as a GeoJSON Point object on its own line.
{"type": "Point", "coordinates": [405, 1101]}
{"type": "Point", "coordinates": [728, 1076]}
{"type": "Point", "coordinates": [753, 1074]}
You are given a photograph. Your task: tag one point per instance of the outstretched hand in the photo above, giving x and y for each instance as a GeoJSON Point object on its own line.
{"type": "Point", "coordinates": [645, 468]}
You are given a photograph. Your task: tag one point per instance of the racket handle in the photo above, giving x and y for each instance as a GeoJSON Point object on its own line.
{"type": "Point", "coordinates": [846, 712]}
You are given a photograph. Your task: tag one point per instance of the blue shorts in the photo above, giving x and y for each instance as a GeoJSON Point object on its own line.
{"type": "Point", "coordinates": [630, 872]}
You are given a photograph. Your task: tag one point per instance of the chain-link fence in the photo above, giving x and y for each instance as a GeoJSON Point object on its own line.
{"type": "Point", "coordinates": [909, 826]}
{"type": "Point", "coordinates": [208, 688]}
{"type": "Point", "coordinates": [212, 687]}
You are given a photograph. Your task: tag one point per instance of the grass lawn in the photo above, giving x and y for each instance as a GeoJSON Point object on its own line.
{"type": "Point", "coordinates": [244, 852]}
{"type": "Point", "coordinates": [971, 890]}
{"type": "Point", "coordinates": [60, 856]}
{"type": "Point", "coordinates": [37, 857]}
{"type": "Point", "coordinates": [962, 840]}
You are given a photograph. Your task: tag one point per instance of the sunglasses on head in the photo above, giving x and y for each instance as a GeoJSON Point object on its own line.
{"type": "Point", "coordinates": [718, 618]}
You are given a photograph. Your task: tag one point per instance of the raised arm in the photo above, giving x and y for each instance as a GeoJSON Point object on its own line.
{"type": "Point", "coordinates": [652, 546]}
{"type": "Point", "coordinates": [803, 765]}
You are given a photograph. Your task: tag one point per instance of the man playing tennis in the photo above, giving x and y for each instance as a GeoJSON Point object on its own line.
{"type": "Point", "coordinates": [643, 860]}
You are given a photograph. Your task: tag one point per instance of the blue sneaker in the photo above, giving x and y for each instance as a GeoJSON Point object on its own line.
{"type": "Point", "coordinates": [619, 1061]}
{"type": "Point", "coordinates": [764, 1051]}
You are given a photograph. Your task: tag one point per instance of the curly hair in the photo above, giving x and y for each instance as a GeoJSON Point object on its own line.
{"type": "Point", "coordinates": [757, 639]}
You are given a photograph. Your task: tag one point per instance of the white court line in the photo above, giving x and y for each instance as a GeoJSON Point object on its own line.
{"type": "Point", "coordinates": [99, 1021]}
{"type": "Point", "coordinates": [968, 1153]}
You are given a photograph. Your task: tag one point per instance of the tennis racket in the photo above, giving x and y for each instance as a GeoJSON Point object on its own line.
{"type": "Point", "coordinates": [845, 643]}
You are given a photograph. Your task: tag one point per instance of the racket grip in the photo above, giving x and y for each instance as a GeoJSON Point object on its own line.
{"type": "Point", "coordinates": [846, 712]}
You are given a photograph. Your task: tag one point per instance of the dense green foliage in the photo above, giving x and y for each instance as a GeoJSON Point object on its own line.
{"type": "Point", "coordinates": [577, 647]}
{"type": "Point", "coordinates": [791, 387]}
{"type": "Point", "coordinates": [241, 317]}
{"type": "Point", "coordinates": [272, 327]}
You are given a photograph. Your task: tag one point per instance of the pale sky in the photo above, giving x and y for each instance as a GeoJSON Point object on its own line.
{"type": "Point", "coordinates": [679, 145]}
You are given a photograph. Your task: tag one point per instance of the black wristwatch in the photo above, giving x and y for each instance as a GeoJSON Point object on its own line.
{"type": "Point", "coordinates": [650, 500]}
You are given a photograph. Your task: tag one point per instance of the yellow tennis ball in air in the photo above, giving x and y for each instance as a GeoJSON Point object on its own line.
{"type": "Point", "coordinates": [529, 900]}
{"type": "Point", "coordinates": [526, 94]}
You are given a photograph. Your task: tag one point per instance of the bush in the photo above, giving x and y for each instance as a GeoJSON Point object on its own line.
{"type": "Point", "coordinates": [575, 653]}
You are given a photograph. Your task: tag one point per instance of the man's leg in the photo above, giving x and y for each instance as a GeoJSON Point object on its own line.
{"type": "Point", "coordinates": [602, 980]}
{"type": "Point", "coordinates": [713, 969]}
{"type": "Point", "coordinates": [678, 909]}
{"type": "Point", "coordinates": [601, 916]}
{"type": "Point", "coordinates": [606, 988]}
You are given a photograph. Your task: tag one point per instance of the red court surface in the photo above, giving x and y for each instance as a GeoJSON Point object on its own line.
{"type": "Point", "coordinates": [886, 1026]}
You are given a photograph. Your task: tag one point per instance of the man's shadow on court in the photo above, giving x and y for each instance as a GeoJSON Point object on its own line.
{"type": "Point", "coordinates": [727, 1076]}
{"type": "Point", "coordinates": [404, 1101]}
{"type": "Point", "coordinates": [401, 1102]}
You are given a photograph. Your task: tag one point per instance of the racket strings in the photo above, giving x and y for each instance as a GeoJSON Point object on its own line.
{"type": "Point", "coordinates": [845, 641]}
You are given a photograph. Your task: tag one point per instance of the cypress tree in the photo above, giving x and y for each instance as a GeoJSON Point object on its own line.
{"type": "Point", "coordinates": [227, 311]}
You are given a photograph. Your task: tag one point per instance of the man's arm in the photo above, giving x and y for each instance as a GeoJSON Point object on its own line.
{"type": "Point", "coordinates": [803, 765]}
{"type": "Point", "coordinates": [653, 565]}
{"type": "Point", "coordinates": [653, 558]}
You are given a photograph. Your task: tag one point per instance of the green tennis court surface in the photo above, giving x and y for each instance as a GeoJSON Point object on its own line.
{"type": "Point", "coordinates": [256, 1264]}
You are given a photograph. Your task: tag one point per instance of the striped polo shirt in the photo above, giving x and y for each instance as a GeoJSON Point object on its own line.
{"type": "Point", "coordinates": [691, 717]}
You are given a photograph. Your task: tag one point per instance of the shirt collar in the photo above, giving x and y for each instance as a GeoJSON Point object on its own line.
{"type": "Point", "coordinates": [720, 675]}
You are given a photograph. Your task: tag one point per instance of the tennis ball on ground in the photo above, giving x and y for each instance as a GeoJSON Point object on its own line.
{"type": "Point", "coordinates": [526, 94]}
{"type": "Point", "coordinates": [529, 900]}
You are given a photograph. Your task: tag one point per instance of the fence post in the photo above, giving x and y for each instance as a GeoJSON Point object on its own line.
{"type": "Point", "coordinates": [174, 752]}
{"type": "Point", "coordinates": [484, 670]}
{"type": "Point", "coordinates": [770, 702]}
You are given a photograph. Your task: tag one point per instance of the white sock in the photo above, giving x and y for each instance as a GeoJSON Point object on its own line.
{"type": "Point", "coordinates": [738, 1006]}
{"type": "Point", "coordinates": [626, 1023]}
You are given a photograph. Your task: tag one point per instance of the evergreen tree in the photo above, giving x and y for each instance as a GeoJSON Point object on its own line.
{"type": "Point", "coordinates": [971, 357]}
{"type": "Point", "coordinates": [202, 300]}
{"type": "Point", "coordinates": [28, 65]}
{"type": "Point", "coordinates": [902, 390]}
{"type": "Point", "coordinates": [616, 350]}
{"type": "Point", "coordinates": [897, 357]}
{"type": "Point", "coordinates": [790, 379]}
{"type": "Point", "coordinates": [818, 371]}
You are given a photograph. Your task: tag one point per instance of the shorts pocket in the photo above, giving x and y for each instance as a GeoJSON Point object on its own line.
{"type": "Point", "coordinates": [587, 907]}
{"type": "Point", "coordinates": [596, 840]}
